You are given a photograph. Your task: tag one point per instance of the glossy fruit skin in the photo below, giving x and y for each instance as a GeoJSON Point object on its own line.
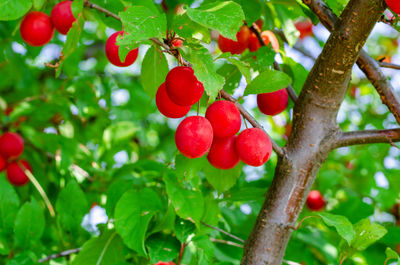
{"type": "Point", "coordinates": [253, 147]}
{"type": "Point", "coordinates": [112, 52]}
{"type": "Point", "coordinates": [304, 27]}
{"type": "Point", "coordinates": [16, 175]}
{"type": "Point", "coordinates": [36, 28]}
{"type": "Point", "coordinates": [235, 47]}
{"type": "Point", "coordinates": [394, 5]}
{"type": "Point", "coordinates": [272, 39]}
{"type": "Point", "coordinates": [167, 107]}
{"type": "Point", "coordinates": [194, 136]}
{"type": "Point", "coordinates": [273, 103]}
{"type": "Point", "coordinates": [11, 145]}
{"type": "Point", "coordinates": [177, 43]}
{"type": "Point", "coordinates": [3, 163]}
{"type": "Point", "coordinates": [62, 17]}
{"type": "Point", "coordinates": [222, 154]}
{"type": "Point", "coordinates": [224, 117]}
{"type": "Point", "coordinates": [315, 201]}
{"type": "Point", "coordinates": [254, 43]}
{"type": "Point", "coordinates": [183, 88]}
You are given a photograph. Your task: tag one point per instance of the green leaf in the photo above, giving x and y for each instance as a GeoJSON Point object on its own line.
{"type": "Point", "coordinates": [391, 254]}
{"type": "Point", "coordinates": [103, 250]}
{"type": "Point", "coordinates": [77, 6]}
{"type": "Point", "coordinates": [14, 9]}
{"type": "Point", "coordinates": [114, 193]}
{"type": "Point", "coordinates": [342, 225]}
{"type": "Point", "coordinates": [226, 17]}
{"type": "Point", "coordinates": [268, 81]}
{"type": "Point", "coordinates": [367, 233]}
{"type": "Point", "coordinates": [9, 203]}
{"type": "Point", "coordinates": [222, 180]}
{"type": "Point", "coordinates": [38, 4]}
{"type": "Point", "coordinates": [141, 23]}
{"type": "Point", "coordinates": [132, 216]}
{"type": "Point", "coordinates": [264, 60]}
{"type": "Point", "coordinates": [186, 168]}
{"type": "Point", "coordinates": [252, 9]}
{"type": "Point", "coordinates": [232, 77]}
{"type": "Point", "coordinates": [184, 229]}
{"type": "Point", "coordinates": [119, 132]}
{"type": "Point", "coordinates": [24, 258]}
{"type": "Point", "coordinates": [162, 248]}
{"type": "Point", "coordinates": [188, 204]}
{"type": "Point", "coordinates": [187, 28]}
{"type": "Point", "coordinates": [204, 68]}
{"type": "Point", "coordinates": [243, 67]}
{"type": "Point", "coordinates": [71, 207]}
{"type": "Point", "coordinates": [154, 70]}
{"type": "Point", "coordinates": [29, 224]}
{"type": "Point", "coordinates": [297, 72]}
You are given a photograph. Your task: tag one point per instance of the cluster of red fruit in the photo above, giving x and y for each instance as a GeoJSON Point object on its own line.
{"type": "Point", "coordinates": [216, 132]}
{"type": "Point", "coordinates": [11, 148]}
{"type": "Point", "coordinates": [37, 28]}
{"type": "Point", "coordinates": [247, 39]}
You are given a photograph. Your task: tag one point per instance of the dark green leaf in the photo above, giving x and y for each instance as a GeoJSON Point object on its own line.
{"type": "Point", "coordinates": [268, 81]}
{"type": "Point", "coordinates": [154, 70]}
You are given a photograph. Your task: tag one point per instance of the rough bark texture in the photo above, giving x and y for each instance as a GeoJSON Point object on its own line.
{"type": "Point", "coordinates": [314, 134]}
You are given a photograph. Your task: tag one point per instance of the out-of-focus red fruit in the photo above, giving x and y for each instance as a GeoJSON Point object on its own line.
{"type": "Point", "coordinates": [224, 117]}
{"type": "Point", "coordinates": [164, 263]}
{"type": "Point", "coordinates": [235, 47]}
{"type": "Point", "coordinates": [36, 28]}
{"type": "Point", "coordinates": [254, 43]}
{"type": "Point", "coordinates": [11, 145]}
{"type": "Point", "coordinates": [304, 27]}
{"type": "Point", "coordinates": [394, 5]}
{"type": "Point", "coordinates": [62, 17]}
{"type": "Point", "coordinates": [112, 52]}
{"type": "Point", "coordinates": [167, 107]}
{"type": "Point", "coordinates": [3, 163]}
{"type": "Point", "coordinates": [272, 39]}
{"type": "Point", "coordinates": [259, 23]}
{"type": "Point", "coordinates": [16, 174]}
{"type": "Point", "coordinates": [194, 136]}
{"type": "Point", "coordinates": [253, 147]}
{"type": "Point", "coordinates": [177, 43]}
{"type": "Point", "coordinates": [273, 103]}
{"type": "Point", "coordinates": [222, 154]}
{"type": "Point", "coordinates": [315, 201]}
{"type": "Point", "coordinates": [8, 111]}
{"type": "Point", "coordinates": [182, 86]}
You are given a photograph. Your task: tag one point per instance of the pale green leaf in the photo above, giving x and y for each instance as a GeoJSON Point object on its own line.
{"type": "Point", "coordinates": [154, 70]}
{"type": "Point", "coordinates": [268, 81]}
{"type": "Point", "coordinates": [14, 9]}
{"type": "Point", "coordinates": [341, 224]}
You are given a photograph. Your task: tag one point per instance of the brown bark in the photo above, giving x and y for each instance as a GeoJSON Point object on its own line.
{"type": "Point", "coordinates": [314, 134]}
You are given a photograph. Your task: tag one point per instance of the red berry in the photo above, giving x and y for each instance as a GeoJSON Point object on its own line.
{"type": "Point", "coordinates": [194, 136]}
{"type": "Point", "coordinates": [16, 175]}
{"type": "Point", "coordinates": [253, 147]}
{"type": "Point", "coordinates": [11, 145]}
{"type": "Point", "coordinates": [177, 43]}
{"type": "Point", "coordinates": [3, 163]}
{"type": "Point", "coordinates": [62, 17]}
{"type": "Point", "coordinates": [235, 47]}
{"type": "Point", "coordinates": [167, 107]}
{"type": "Point", "coordinates": [164, 263]}
{"type": "Point", "coordinates": [113, 55]}
{"type": "Point", "coordinates": [183, 88]}
{"type": "Point", "coordinates": [222, 154]}
{"type": "Point", "coordinates": [273, 103]}
{"type": "Point", "coordinates": [394, 5]}
{"type": "Point", "coordinates": [224, 117]}
{"type": "Point", "coordinates": [304, 27]}
{"type": "Point", "coordinates": [315, 201]}
{"type": "Point", "coordinates": [36, 28]}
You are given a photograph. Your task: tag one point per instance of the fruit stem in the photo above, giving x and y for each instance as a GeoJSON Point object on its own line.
{"type": "Point", "coordinates": [39, 188]}
{"type": "Point", "coordinates": [181, 253]}
{"type": "Point", "coordinates": [198, 108]}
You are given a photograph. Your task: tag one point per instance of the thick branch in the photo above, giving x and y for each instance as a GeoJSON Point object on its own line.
{"type": "Point", "coordinates": [369, 137]}
{"type": "Point", "coordinates": [368, 65]}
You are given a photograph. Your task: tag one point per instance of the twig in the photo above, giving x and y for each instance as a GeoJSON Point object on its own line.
{"type": "Point", "coordinates": [389, 65]}
{"type": "Point", "coordinates": [102, 10]}
{"type": "Point", "coordinates": [226, 242]}
{"type": "Point", "coordinates": [181, 253]}
{"type": "Point", "coordinates": [368, 137]}
{"type": "Point", "coordinates": [61, 254]}
{"type": "Point", "coordinates": [278, 150]}
{"type": "Point", "coordinates": [289, 89]}
{"type": "Point", "coordinates": [223, 232]}
{"type": "Point", "coordinates": [39, 188]}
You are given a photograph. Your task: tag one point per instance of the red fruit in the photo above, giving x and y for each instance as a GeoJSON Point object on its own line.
{"type": "Point", "coordinates": [273, 103]}
{"type": "Point", "coordinates": [167, 107]}
{"type": "Point", "coordinates": [254, 43]}
{"type": "Point", "coordinates": [222, 154]}
{"type": "Point", "coordinates": [112, 52]}
{"type": "Point", "coordinates": [194, 136]}
{"type": "Point", "coordinates": [11, 145]}
{"type": "Point", "coordinates": [304, 27]}
{"type": "Point", "coordinates": [253, 147]}
{"type": "Point", "coordinates": [3, 163]}
{"type": "Point", "coordinates": [224, 117]}
{"type": "Point", "coordinates": [16, 174]}
{"type": "Point", "coordinates": [177, 43]}
{"type": "Point", "coordinates": [272, 39]}
{"type": "Point", "coordinates": [62, 17]}
{"type": "Point", "coordinates": [183, 88]}
{"type": "Point", "coordinates": [36, 28]}
{"type": "Point", "coordinates": [315, 201]}
{"type": "Point", "coordinates": [394, 5]}
{"type": "Point", "coordinates": [164, 263]}
{"type": "Point", "coordinates": [235, 47]}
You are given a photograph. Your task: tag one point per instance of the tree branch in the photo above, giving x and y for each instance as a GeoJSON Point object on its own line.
{"type": "Point", "coordinates": [222, 231]}
{"type": "Point", "coordinates": [389, 65]}
{"type": "Point", "coordinates": [368, 137]}
{"type": "Point", "coordinates": [368, 65]}
{"type": "Point", "coordinates": [61, 254]}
